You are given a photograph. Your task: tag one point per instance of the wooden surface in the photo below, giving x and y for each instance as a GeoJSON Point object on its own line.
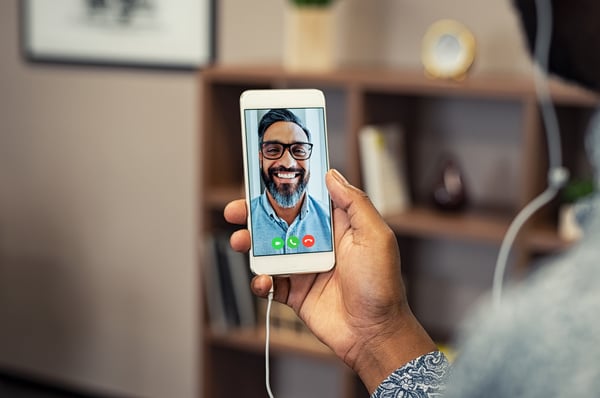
{"type": "Point", "coordinates": [403, 82]}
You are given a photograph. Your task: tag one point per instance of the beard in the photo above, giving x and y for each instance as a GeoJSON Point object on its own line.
{"type": "Point", "coordinates": [286, 195]}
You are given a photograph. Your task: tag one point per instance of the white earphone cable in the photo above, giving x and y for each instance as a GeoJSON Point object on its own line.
{"type": "Point", "coordinates": [557, 174]}
{"type": "Point", "coordinates": [268, 338]}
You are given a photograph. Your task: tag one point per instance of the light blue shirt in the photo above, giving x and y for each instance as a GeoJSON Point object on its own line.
{"type": "Point", "coordinates": [309, 232]}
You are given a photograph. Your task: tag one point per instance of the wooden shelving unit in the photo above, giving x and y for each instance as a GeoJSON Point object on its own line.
{"type": "Point", "coordinates": [369, 96]}
{"type": "Point", "coordinates": [282, 342]}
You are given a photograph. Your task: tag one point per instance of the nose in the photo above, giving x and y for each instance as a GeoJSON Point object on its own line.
{"type": "Point", "coordinates": [287, 160]}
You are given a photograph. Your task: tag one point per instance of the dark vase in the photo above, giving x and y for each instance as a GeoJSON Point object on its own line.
{"type": "Point", "coordinates": [449, 192]}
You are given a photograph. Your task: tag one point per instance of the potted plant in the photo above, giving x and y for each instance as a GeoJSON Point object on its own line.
{"type": "Point", "coordinates": [309, 35]}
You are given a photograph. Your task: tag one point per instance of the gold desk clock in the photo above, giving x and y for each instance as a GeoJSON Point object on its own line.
{"type": "Point", "coordinates": [448, 50]}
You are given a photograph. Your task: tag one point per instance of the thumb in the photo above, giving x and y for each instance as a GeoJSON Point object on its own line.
{"type": "Point", "coordinates": [353, 201]}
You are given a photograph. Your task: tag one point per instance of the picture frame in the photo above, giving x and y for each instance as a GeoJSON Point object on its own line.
{"type": "Point", "coordinates": [175, 34]}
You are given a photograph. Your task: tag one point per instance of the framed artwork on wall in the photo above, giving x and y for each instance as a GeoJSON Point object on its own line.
{"type": "Point", "coordinates": [145, 33]}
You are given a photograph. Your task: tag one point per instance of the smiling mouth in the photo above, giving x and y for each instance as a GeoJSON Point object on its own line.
{"type": "Point", "coordinates": [286, 175]}
{"type": "Point", "coordinates": [286, 186]}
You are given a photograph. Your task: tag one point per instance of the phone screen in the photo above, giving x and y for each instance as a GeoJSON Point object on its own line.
{"type": "Point", "coordinates": [290, 209]}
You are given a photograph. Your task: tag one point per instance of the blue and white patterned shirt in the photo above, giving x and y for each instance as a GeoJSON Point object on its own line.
{"type": "Point", "coordinates": [309, 232]}
{"type": "Point", "coordinates": [423, 377]}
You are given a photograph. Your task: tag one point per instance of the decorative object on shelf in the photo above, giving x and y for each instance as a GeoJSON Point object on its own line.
{"type": "Point", "coordinates": [449, 191]}
{"type": "Point", "coordinates": [141, 33]}
{"type": "Point", "coordinates": [448, 50]}
{"type": "Point", "coordinates": [382, 156]}
{"type": "Point", "coordinates": [573, 204]}
{"type": "Point", "coordinates": [310, 28]}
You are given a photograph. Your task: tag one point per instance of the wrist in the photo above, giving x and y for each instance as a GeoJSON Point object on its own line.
{"type": "Point", "coordinates": [389, 349]}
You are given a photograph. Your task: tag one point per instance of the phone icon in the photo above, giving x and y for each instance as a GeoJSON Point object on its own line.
{"type": "Point", "coordinates": [308, 240]}
{"type": "Point", "coordinates": [293, 242]}
{"type": "Point", "coordinates": [277, 243]}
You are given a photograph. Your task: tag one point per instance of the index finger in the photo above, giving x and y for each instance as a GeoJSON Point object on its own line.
{"type": "Point", "coordinates": [235, 212]}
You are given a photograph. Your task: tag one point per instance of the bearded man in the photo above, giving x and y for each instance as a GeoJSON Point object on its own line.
{"type": "Point", "coordinates": [285, 218]}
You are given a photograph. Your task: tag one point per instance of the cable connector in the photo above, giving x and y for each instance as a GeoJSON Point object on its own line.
{"type": "Point", "coordinates": [558, 177]}
{"type": "Point", "coordinates": [272, 289]}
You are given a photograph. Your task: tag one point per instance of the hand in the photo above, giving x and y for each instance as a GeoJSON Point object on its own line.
{"type": "Point", "coordinates": [359, 309]}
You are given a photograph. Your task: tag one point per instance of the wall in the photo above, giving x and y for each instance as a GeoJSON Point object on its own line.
{"type": "Point", "coordinates": [387, 32]}
{"type": "Point", "coordinates": [97, 224]}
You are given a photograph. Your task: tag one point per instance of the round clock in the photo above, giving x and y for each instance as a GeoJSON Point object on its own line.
{"type": "Point", "coordinates": [448, 50]}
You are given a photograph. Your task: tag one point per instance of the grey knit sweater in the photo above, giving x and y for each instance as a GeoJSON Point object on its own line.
{"type": "Point", "coordinates": [544, 340]}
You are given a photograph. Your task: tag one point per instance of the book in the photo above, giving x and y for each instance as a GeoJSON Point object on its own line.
{"type": "Point", "coordinates": [230, 302]}
{"type": "Point", "coordinates": [382, 162]}
{"type": "Point", "coordinates": [232, 316]}
{"type": "Point", "coordinates": [212, 284]}
{"type": "Point", "coordinates": [239, 272]}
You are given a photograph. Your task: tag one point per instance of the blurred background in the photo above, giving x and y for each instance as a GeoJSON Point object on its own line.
{"type": "Point", "coordinates": [99, 286]}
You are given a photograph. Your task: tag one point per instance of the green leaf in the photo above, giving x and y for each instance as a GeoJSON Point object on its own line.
{"type": "Point", "coordinates": [577, 189]}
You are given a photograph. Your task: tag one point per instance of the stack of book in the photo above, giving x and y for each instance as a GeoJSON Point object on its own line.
{"type": "Point", "coordinates": [229, 300]}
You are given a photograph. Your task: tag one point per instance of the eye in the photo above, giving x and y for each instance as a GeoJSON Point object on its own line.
{"type": "Point", "coordinates": [299, 150]}
{"type": "Point", "coordinates": [272, 149]}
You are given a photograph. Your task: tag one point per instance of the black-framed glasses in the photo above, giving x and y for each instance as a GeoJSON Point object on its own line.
{"type": "Point", "coordinates": [274, 150]}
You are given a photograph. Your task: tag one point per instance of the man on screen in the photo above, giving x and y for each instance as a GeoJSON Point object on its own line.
{"type": "Point", "coordinates": [285, 218]}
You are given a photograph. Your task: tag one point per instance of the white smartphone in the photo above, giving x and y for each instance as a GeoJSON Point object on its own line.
{"type": "Point", "coordinates": [284, 137]}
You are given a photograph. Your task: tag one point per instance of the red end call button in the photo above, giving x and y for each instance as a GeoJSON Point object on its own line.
{"type": "Point", "coordinates": [308, 240]}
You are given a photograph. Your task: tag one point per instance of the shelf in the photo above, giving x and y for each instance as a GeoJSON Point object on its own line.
{"type": "Point", "coordinates": [282, 342]}
{"type": "Point", "coordinates": [545, 239]}
{"type": "Point", "coordinates": [485, 227]}
{"type": "Point", "coordinates": [473, 227]}
{"type": "Point", "coordinates": [429, 223]}
{"type": "Point", "coordinates": [401, 82]}
{"type": "Point", "coordinates": [418, 221]}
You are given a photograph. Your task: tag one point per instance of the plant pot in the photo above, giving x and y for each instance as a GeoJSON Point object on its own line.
{"type": "Point", "coordinates": [309, 38]}
{"type": "Point", "coordinates": [568, 227]}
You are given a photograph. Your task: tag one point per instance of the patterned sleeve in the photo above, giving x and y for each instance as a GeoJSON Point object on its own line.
{"type": "Point", "coordinates": [423, 377]}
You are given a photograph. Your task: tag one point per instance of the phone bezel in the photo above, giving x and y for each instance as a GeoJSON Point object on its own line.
{"type": "Point", "coordinates": [287, 264]}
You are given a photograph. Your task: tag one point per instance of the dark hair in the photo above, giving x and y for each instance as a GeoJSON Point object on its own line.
{"type": "Point", "coordinates": [279, 115]}
{"type": "Point", "coordinates": [575, 46]}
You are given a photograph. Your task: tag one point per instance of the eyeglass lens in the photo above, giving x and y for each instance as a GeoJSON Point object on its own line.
{"type": "Point", "coordinates": [275, 150]}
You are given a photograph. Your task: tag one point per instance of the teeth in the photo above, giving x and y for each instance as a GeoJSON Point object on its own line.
{"type": "Point", "coordinates": [286, 175]}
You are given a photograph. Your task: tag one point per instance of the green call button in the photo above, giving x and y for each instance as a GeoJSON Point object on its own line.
{"type": "Point", "coordinates": [277, 243]}
{"type": "Point", "coordinates": [293, 242]}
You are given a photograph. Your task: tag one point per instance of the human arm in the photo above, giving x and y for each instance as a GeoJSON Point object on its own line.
{"type": "Point", "coordinates": [359, 309]}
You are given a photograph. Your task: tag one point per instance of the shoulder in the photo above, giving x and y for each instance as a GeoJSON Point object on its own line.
{"type": "Point", "coordinates": [546, 329]}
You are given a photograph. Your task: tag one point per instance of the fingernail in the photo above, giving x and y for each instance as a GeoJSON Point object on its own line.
{"type": "Point", "coordinates": [339, 177]}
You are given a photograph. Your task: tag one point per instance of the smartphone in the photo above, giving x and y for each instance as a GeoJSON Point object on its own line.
{"type": "Point", "coordinates": [284, 137]}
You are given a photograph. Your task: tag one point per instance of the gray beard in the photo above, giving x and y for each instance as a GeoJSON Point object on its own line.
{"type": "Point", "coordinates": [286, 197]}
{"type": "Point", "coordinates": [286, 200]}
